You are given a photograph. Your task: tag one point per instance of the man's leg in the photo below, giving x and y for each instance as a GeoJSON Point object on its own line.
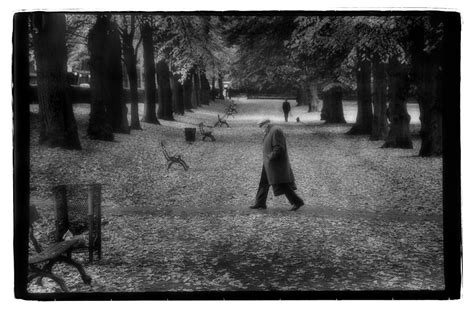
{"type": "Point", "coordinates": [263, 187]}
{"type": "Point", "coordinates": [292, 197]}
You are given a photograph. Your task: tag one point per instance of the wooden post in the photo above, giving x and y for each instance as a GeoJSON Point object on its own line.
{"type": "Point", "coordinates": [94, 216]}
{"type": "Point", "coordinates": [98, 202]}
{"type": "Point", "coordinates": [62, 219]}
{"type": "Point", "coordinates": [90, 216]}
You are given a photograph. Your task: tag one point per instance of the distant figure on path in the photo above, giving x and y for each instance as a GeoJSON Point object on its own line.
{"type": "Point", "coordinates": [276, 170]}
{"type": "Point", "coordinates": [286, 109]}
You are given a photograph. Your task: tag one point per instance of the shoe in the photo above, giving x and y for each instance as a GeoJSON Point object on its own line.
{"type": "Point", "coordinates": [257, 207]}
{"type": "Point", "coordinates": [296, 206]}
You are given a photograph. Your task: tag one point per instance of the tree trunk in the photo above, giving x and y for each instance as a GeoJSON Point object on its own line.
{"type": "Point", "coordinates": [220, 82]}
{"type": "Point", "coordinates": [199, 87]}
{"type": "Point", "coordinates": [99, 125]}
{"type": "Point", "coordinates": [133, 80]}
{"type": "Point", "coordinates": [326, 104]}
{"type": "Point", "coordinates": [430, 102]}
{"type": "Point", "coordinates": [332, 111]}
{"type": "Point", "coordinates": [205, 89]}
{"type": "Point", "coordinates": [165, 109]}
{"type": "Point", "coordinates": [213, 89]}
{"type": "Point", "coordinates": [130, 59]}
{"type": "Point", "coordinates": [428, 79]}
{"type": "Point", "coordinates": [363, 124]}
{"type": "Point", "coordinates": [21, 149]}
{"type": "Point", "coordinates": [116, 108]}
{"type": "Point", "coordinates": [314, 103]}
{"type": "Point", "coordinates": [174, 88]}
{"type": "Point", "coordinates": [379, 121]}
{"type": "Point", "coordinates": [149, 115]}
{"type": "Point", "coordinates": [177, 95]}
{"type": "Point", "coordinates": [58, 125]}
{"type": "Point", "coordinates": [187, 92]}
{"type": "Point", "coordinates": [399, 128]}
{"type": "Point", "coordinates": [194, 89]}
{"type": "Point", "coordinates": [304, 95]}
{"type": "Point", "coordinates": [300, 96]}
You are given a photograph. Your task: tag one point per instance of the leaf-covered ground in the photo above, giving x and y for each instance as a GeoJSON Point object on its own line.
{"type": "Point", "coordinates": [372, 219]}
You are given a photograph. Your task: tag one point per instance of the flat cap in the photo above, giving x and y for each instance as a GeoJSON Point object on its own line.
{"type": "Point", "coordinates": [263, 122]}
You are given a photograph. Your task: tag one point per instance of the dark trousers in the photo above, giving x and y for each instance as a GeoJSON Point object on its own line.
{"type": "Point", "coordinates": [286, 116]}
{"type": "Point", "coordinates": [263, 187]}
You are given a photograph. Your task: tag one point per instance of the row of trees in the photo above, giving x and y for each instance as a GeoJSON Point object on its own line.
{"type": "Point", "coordinates": [187, 49]}
{"type": "Point", "coordinates": [385, 59]}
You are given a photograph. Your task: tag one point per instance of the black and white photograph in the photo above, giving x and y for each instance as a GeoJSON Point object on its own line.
{"type": "Point", "coordinates": [246, 155]}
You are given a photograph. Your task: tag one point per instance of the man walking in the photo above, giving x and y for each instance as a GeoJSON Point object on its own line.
{"type": "Point", "coordinates": [276, 170]}
{"type": "Point", "coordinates": [286, 109]}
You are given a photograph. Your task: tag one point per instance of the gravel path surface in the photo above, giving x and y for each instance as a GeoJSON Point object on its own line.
{"type": "Point", "coordinates": [372, 219]}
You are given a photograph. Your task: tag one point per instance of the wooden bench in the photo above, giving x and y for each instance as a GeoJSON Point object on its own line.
{"type": "Point", "coordinates": [41, 262]}
{"type": "Point", "coordinates": [220, 121]}
{"type": "Point", "coordinates": [171, 159]}
{"type": "Point", "coordinates": [206, 133]}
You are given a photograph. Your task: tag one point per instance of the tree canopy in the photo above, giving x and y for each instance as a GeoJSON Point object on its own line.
{"type": "Point", "coordinates": [262, 59]}
{"type": "Point", "coordinates": [279, 53]}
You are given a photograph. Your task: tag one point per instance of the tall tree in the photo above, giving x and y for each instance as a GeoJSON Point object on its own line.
{"type": "Point", "coordinates": [77, 29]}
{"type": "Point", "coordinates": [116, 108]}
{"type": "Point", "coordinates": [213, 88]}
{"type": "Point", "coordinates": [58, 125]}
{"type": "Point", "coordinates": [21, 149]}
{"type": "Point", "coordinates": [428, 53]}
{"type": "Point", "coordinates": [165, 109]}
{"type": "Point", "coordinates": [198, 87]}
{"type": "Point", "coordinates": [190, 44]}
{"type": "Point", "coordinates": [205, 89]}
{"type": "Point", "coordinates": [332, 111]}
{"type": "Point", "coordinates": [220, 83]}
{"type": "Point", "coordinates": [302, 97]}
{"type": "Point", "coordinates": [337, 47]}
{"type": "Point", "coordinates": [380, 41]}
{"type": "Point", "coordinates": [187, 93]}
{"type": "Point", "coordinates": [195, 88]}
{"type": "Point", "coordinates": [314, 103]}
{"type": "Point", "coordinates": [99, 123]}
{"type": "Point", "coordinates": [379, 100]}
{"type": "Point", "coordinates": [146, 29]}
{"type": "Point", "coordinates": [363, 124]}
{"type": "Point", "coordinates": [319, 45]}
{"type": "Point", "coordinates": [263, 61]}
{"type": "Point", "coordinates": [399, 130]}
{"type": "Point", "coordinates": [177, 94]}
{"type": "Point", "coordinates": [128, 30]}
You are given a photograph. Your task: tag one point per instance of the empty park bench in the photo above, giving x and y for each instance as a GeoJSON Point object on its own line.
{"type": "Point", "coordinates": [175, 158]}
{"type": "Point", "coordinates": [41, 262]}
{"type": "Point", "coordinates": [206, 133]}
{"type": "Point", "coordinates": [220, 121]}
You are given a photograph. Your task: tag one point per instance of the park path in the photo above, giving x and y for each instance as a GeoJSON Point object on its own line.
{"type": "Point", "coordinates": [372, 219]}
{"type": "Point", "coordinates": [334, 172]}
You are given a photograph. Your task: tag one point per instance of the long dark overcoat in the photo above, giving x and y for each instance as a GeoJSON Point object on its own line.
{"type": "Point", "coordinates": [275, 158]}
